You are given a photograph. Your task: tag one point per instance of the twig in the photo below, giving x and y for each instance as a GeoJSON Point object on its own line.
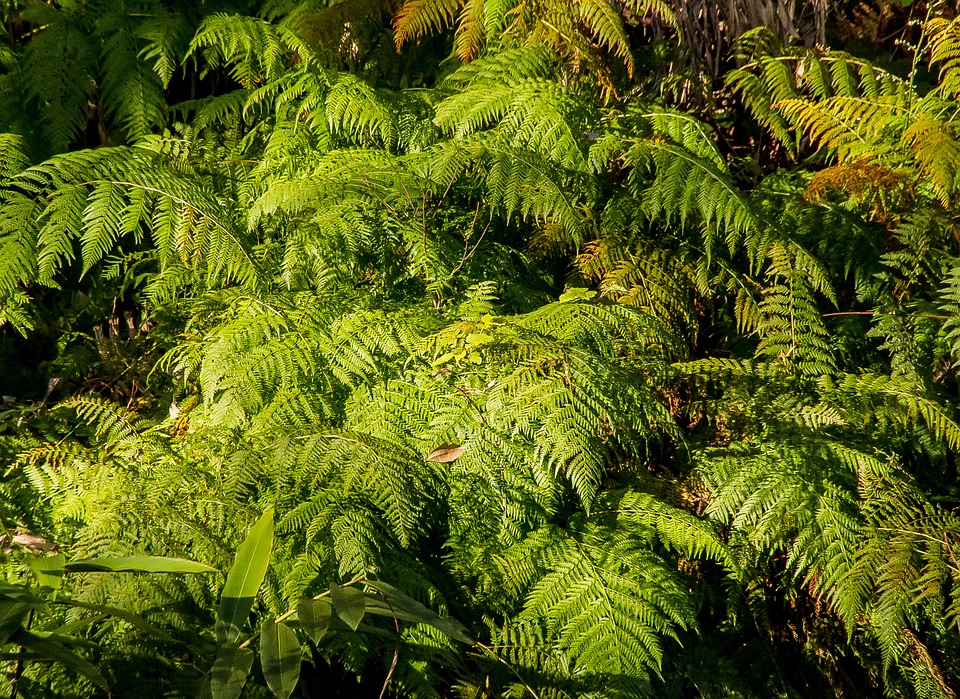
{"type": "Point", "coordinates": [472, 404]}
{"type": "Point", "coordinates": [489, 651]}
{"type": "Point", "coordinates": [466, 254]}
{"type": "Point", "coordinates": [396, 657]}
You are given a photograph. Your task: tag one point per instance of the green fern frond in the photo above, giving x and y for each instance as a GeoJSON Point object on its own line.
{"type": "Point", "coordinates": [254, 50]}
{"type": "Point", "coordinates": [132, 92]}
{"type": "Point", "coordinates": [608, 603]}
{"type": "Point", "coordinates": [58, 68]}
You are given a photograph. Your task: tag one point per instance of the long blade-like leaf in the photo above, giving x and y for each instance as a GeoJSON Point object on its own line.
{"type": "Point", "coordinates": [53, 650]}
{"type": "Point", "coordinates": [128, 617]}
{"type": "Point", "coordinates": [138, 564]}
{"type": "Point", "coordinates": [244, 578]}
{"type": "Point", "coordinates": [404, 606]}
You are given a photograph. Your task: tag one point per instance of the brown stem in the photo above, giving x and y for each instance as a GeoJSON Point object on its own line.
{"type": "Point", "coordinates": [393, 663]}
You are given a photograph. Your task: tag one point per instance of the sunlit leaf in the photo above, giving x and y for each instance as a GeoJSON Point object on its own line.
{"type": "Point", "coordinates": [49, 571]}
{"type": "Point", "coordinates": [137, 564]}
{"type": "Point", "coordinates": [244, 578]}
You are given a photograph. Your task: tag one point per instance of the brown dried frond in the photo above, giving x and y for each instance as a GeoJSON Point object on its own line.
{"type": "Point", "coordinates": [880, 187]}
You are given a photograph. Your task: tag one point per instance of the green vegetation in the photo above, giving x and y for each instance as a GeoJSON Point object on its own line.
{"type": "Point", "coordinates": [479, 348]}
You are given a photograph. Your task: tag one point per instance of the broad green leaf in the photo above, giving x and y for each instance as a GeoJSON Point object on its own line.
{"type": "Point", "coordinates": [314, 615]}
{"type": "Point", "coordinates": [49, 570]}
{"type": "Point", "coordinates": [244, 578]}
{"type": "Point", "coordinates": [12, 615]}
{"type": "Point", "coordinates": [403, 606]}
{"type": "Point", "coordinates": [279, 657]}
{"type": "Point", "coordinates": [138, 564]}
{"type": "Point", "coordinates": [57, 652]}
{"type": "Point", "coordinates": [230, 671]}
{"type": "Point", "coordinates": [349, 604]}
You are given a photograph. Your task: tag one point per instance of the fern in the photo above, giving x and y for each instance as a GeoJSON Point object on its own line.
{"type": "Point", "coordinates": [650, 402]}
{"type": "Point", "coordinates": [607, 603]}
{"type": "Point", "coordinates": [58, 74]}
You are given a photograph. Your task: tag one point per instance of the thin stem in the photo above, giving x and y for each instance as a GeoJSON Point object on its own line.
{"type": "Point", "coordinates": [396, 657]}
{"type": "Point", "coordinates": [489, 651]}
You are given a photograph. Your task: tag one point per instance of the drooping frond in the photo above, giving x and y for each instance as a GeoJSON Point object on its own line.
{"type": "Point", "coordinates": [254, 50]}
{"type": "Point", "coordinates": [132, 91]}
{"type": "Point", "coordinates": [416, 18]}
{"type": "Point", "coordinates": [943, 39]}
{"type": "Point", "coordinates": [92, 202]}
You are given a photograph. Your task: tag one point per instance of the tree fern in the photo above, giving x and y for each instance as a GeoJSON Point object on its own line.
{"type": "Point", "coordinates": [653, 404]}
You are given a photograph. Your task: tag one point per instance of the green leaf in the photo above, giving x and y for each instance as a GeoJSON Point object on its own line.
{"type": "Point", "coordinates": [57, 652]}
{"type": "Point", "coordinates": [126, 616]}
{"type": "Point", "coordinates": [279, 657]}
{"type": "Point", "coordinates": [349, 604]}
{"type": "Point", "coordinates": [49, 571]}
{"type": "Point", "coordinates": [230, 671]}
{"type": "Point", "coordinates": [16, 593]}
{"type": "Point", "coordinates": [244, 578]}
{"type": "Point", "coordinates": [75, 625]}
{"type": "Point", "coordinates": [65, 639]}
{"type": "Point", "coordinates": [12, 614]}
{"type": "Point", "coordinates": [138, 564]}
{"type": "Point", "coordinates": [314, 615]}
{"type": "Point", "coordinates": [396, 603]}
{"type": "Point", "coordinates": [577, 294]}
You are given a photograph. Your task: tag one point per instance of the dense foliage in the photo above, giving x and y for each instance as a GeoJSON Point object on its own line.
{"type": "Point", "coordinates": [479, 348]}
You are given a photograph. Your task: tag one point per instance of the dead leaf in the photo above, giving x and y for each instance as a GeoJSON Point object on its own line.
{"type": "Point", "coordinates": [32, 542]}
{"type": "Point", "coordinates": [446, 453]}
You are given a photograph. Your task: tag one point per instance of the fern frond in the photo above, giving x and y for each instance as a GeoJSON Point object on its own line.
{"type": "Point", "coordinates": [254, 50]}
{"type": "Point", "coordinates": [943, 40]}
{"type": "Point", "coordinates": [58, 73]}
{"type": "Point", "coordinates": [608, 604]}
{"type": "Point", "coordinates": [132, 93]}
{"type": "Point", "coordinates": [471, 30]}
{"type": "Point", "coordinates": [934, 145]}
{"type": "Point", "coordinates": [416, 18]}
